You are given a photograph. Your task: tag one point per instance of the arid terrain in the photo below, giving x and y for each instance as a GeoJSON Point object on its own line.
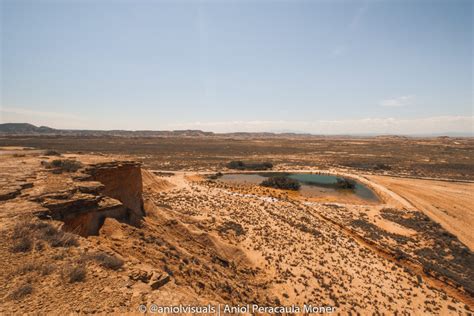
{"type": "Point", "coordinates": [440, 157]}
{"type": "Point", "coordinates": [104, 224]}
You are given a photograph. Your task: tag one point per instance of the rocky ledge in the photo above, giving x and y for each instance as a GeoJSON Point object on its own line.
{"type": "Point", "coordinates": [84, 198]}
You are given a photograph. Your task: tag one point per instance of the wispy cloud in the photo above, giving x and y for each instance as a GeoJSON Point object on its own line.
{"type": "Point", "coordinates": [338, 51]}
{"type": "Point", "coordinates": [27, 112]}
{"type": "Point", "coordinates": [358, 15]}
{"type": "Point", "coordinates": [398, 101]}
{"type": "Point", "coordinates": [353, 24]}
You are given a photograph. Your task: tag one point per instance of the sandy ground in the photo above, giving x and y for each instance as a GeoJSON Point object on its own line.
{"type": "Point", "coordinates": [226, 244]}
{"type": "Point", "coordinates": [449, 203]}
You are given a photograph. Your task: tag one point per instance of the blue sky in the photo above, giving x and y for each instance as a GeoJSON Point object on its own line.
{"type": "Point", "coordinates": [309, 66]}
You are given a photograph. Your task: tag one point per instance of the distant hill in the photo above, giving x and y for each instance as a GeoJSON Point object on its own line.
{"type": "Point", "coordinates": [24, 128]}
{"type": "Point", "coordinates": [30, 129]}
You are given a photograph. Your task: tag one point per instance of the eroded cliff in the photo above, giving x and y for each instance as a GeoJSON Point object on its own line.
{"type": "Point", "coordinates": [81, 199]}
{"type": "Point", "coordinates": [122, 181]}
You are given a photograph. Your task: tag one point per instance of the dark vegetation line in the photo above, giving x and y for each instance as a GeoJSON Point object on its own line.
{"type": "Point", "coordinates": [281, 182]}
{"type": "Point", "coordinates": [240, 165]}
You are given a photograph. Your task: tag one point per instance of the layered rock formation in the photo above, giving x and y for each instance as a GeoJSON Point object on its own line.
{"type": "Point", "coordinates": [122, 181]}
{"type": "Point", "coordinates": [83, 199]}
{"type": "Point", "coordinates": [115, 192]}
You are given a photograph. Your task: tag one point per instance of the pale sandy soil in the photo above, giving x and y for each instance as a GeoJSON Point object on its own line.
{"type": "Point", "coordinates": [306, 250]}
{"type": "Point", "coordinates": [449, 203]}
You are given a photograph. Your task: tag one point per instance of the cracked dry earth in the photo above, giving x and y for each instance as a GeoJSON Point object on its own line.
{"type": "Point", "coordinates": [202, 242]}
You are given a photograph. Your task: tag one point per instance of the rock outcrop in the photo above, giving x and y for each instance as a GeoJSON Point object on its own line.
{"type": "Point", "coordinates": [114, 192]}
{"type": "Point", "coordinates": [84, 199]}
{"type": "Point", "coordinates": [89, 223]}
{"type": "Point", "coordinates": [10, 191]}
{"type": "Point", "coordinates": [122, 181]}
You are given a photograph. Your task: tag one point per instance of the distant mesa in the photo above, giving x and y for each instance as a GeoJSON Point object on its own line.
{"type": "Point", "coordinates": [30, 129]}
{"type": "Point", "coordinates": [25, 128]}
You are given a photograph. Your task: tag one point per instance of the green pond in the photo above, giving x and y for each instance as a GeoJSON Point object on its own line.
{"type": "Point", "coordinates": [312, 185]}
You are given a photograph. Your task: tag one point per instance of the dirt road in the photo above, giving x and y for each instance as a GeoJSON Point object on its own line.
{"type": "Point", "coordinates": [449, 203]}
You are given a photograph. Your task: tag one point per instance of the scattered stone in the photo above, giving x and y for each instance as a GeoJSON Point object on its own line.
{"type": "Point", "coordinates": [161, 282]}
{"type": "Point", "coordinates": [141, 275]}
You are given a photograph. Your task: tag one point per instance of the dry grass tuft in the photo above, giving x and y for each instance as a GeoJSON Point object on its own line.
{"type": "Point", "coordinates": [74, 273]}
{"type": "Point", "coordinates": [28, 233]}
{"type": "Point", "coordinates": [23, 244]}
{"type": "Point", "coordinates": [22, 291]}
{"type": "Point", "coordinates": [60, 165]}
{"type": "Point", "coordinates": [51, 152]}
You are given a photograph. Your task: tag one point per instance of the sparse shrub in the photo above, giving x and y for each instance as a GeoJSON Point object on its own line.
{"type": "Point", "coordinates": [231, 225]}
{"type": "Point", "coordinates": [419, 279]}
{"type": "Point", "coordinates": [23, 244]}
{"type": "Point", "coordinates": [382, 166]}
{"type": "Point", "coordinates": [22, 291]}
{"type": "Point", "coordinates": [26, 232]}
{"type": "Point", "coordinates": [74, 273]}
{"type": "Point", "coordinates": [39, 246]}
{"type": "Point", "coordinates": [215, 176]}
{"type": "Point", "coordinates": [345, 184]}
{"type": "Point", "coordinates": [240, 165]}
{"type": "Point", "coordinates": [21, 229]}
{"type": "Point", "coordinates": [47, 269]}
{"type": "Point", "coordinates": [44, 228]}
{"type": "Point", "coordinates": [67, 165]}
{"type": "Point", "coordinates": [279, 182]}
{"type": "Point", "coordinates": [22, 237]}
{"type": "Point", "coordinates": [236, 165]}
{"type": "Point", "coordinates": [27, 267]}
{"type": "Point", "coordinates": [58, 256]}
{"type": "Point", "coordinates": [400, 255]}
{"type": "Point", "coordinates": [43, 269]}
{"type": "Point", "coordinates": [62, 239]}
{"type": "Point", "coordinates": [53, 236]}
{"type": "Point", "coordinates": [163, 174]}
{"type": "Point", "coordinates": [51, 152]}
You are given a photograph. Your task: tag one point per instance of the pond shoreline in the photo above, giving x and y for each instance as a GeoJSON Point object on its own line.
{"type": "Point", "coordinates": [312, 184]}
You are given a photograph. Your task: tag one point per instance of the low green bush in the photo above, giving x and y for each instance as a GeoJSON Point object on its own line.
{"type": "Point", "coordinates": [279, 182]}
{"type": "Point", "coordinates": [240, 165]}
{"type": "Point", "coordinates": [344, 184]}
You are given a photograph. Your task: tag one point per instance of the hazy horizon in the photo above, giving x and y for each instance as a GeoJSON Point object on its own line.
{"type": "Point", "coordinates": [348, 67]}
{"type": "Point", "coordinates": [449, 134]}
